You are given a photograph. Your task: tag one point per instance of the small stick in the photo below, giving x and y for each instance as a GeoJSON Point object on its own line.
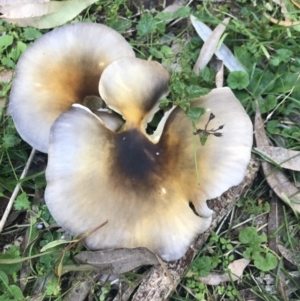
{"type": "Point", "coordinates": [16, 191]}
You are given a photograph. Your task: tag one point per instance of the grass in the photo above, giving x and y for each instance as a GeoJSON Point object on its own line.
{"type": "Point", "coordinates": [269, 52]}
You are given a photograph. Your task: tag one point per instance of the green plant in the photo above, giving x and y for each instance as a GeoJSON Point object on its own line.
{"type": "Point", "coordinates": [263, 259]}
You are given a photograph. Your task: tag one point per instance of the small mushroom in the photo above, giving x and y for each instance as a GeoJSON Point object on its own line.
{"type": "Point", "coordinates": [60, 69]}
{"type": "Point", "coordinates": [144, 186]}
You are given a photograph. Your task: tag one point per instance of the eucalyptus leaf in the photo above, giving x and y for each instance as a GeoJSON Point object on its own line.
{"type": "Point", "coordinates": [46, 15]}
{"type": "Point", "coordinates": [118, 261]}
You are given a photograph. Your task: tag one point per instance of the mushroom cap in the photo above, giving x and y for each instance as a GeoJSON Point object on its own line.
{"type": "Point", "coordinates": [133, 88]}
{"type": "Point", "coordinates": [144, 187]}
{"type": "Point", "coordinates": [59, 69]}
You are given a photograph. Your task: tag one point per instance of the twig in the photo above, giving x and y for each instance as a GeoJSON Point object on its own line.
{"type": "Point", "coordinates": [16, 191]}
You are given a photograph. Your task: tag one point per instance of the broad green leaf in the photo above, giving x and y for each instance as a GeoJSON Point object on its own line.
{"type": "Point", "coordinates": [146, 25]}
{"type": "Point", "coordinates": [120, 25]}
{"type": "Point", "coordinates": [31, 34]}
{"type": "Point", "coordinates": [266, 263]}
{"type": "Point", "coordinates": [16, 293]}
{"type": "Point", "coordinates": [266, 104]}
{"type": "Point", "coordinates": [262, 82]}
{"type": "Point", "coordinates": [5, 41]}
{"type": "Point", "coordinates": [195, 113]}
{"type": "Point", "coordinates": [286, 82]}
{"type": "Point", "coordinates": [238, 80]}
{"type": "Point", "coordinates": [22, 202]}
{"type": "Point", "coordinates": [250, 236]}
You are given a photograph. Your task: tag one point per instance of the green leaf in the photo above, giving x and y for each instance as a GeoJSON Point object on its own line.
{"type": "Point", "coordinates": [120, 25]}
{"type": "Point", "coordinates": [266, 263]}
{"type": "Point", "coordinates": [266, 104]}
{"type": "Point", "coordinates": [53, 287]}
{"type": "Point", "coordinates": [273, 127]}
{"type": "Point", "coordinates": [55, 243]}
{"type": "Point", "coordinates": [250, 236]}
{"type": "Point", "coordinates": [244, 57]}
{"type": "Point", "coordinates": [7, 62]}
{"type": "Point", "coordinates": [286, 82]}
{"type": "Point", "coordinates": [238, 80]}
{"type": "Point", "coordinates": [183, 12]}
{"type": "Point", "coordinates": [3, 277]}
{"type": "Point", "coordinates": [203, 138]}
{"type": "Point", "coordinates": [284, 55]}
{"type": "Point", "coordinates": [262, 82]}
{"type": "Point", "coordinates": [12, 253]}
{"type": "Point", "coordinates": [202, 265]}
{"type": "Point", "coordinates": [146, 25]}
{"type": "Point", "coordinates": [16, 293]}
{"type": "Point", "coordinates": [10, 140]}
{"type": "Point", "coordinates": [5, 41]}
{"type": "Point", "coordinates": [166, 51]}
{"type": "Point", "coordinates": [157, 54]}
{"type": "Point", "coordinates": [22, 202]}
{"type": "Point", "coordinates": [195, 113]}
{"type": "Point", "coordinates": [31, 33]}
{"type": "Point", "coordinates": [195, 91]}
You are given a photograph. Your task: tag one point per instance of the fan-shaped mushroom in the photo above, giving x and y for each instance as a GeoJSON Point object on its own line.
{"type": "Point", "coordinates": [59, 69]}
{"type": "Point", "coordinates": [145, 186]}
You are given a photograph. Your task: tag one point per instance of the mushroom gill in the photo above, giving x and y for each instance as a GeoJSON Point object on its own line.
{"type": "Point", "coordinates": [143, 185]}
{"type": "Point", "coordinates": [60, 69]}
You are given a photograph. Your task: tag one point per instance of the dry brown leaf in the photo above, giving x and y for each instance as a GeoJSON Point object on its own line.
{"type": "Point", "coordinates": [277, 180]}
{"type": "Point", "coordinates": [286, 158]}
{"type": "Point", "coordinates": [236, 268]}
{"type": "Point", "coordinates": [296, 3]}
{"type": "Point", "coordinates": [223, 54]}
{"type": "Point", "coordinates": [45, 15]}
{"type": "Point", "coordinates": [173, 8]}
{"type": "Point", "coordinates": [118, 261]}
{"type": "Point", "coordinates": [6, 5]}
{"type": "Point", "coordinates": [282, 23]}
{"type": "Point", "coordinates": [220, 74]}
{"type": "Point", "coordinates": [293, 258]}
{"type": "Point", "coordinates": [210, 46]}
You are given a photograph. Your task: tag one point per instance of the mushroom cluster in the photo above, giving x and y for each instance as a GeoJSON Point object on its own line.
{"type": "Point", "coordinates": [144, 185]}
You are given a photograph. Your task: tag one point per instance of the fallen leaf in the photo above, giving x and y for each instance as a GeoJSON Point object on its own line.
{"type": "Point", "coordinates": [292, 257]}
{"type": "Point", "coordinates": [173, 8]}
{"type": "Point", "coordinates": [237, 268]}
{"type": "Point", "coordinates": [236, 271]}
{"type": "Point", "coordinates": [277, 180]}
{"type": "Point", "coordinates": [118, 261]}
{"type": "Point", "coordinates": [6, 5]}
{"type": "Point", "coordinates": [6, 76]}
{"type": "Point", "coordinates": [210, 46]}
{"type": "Point", "coordinates": [46, 15]}
{"type": "Point", "coordinates": [220, 74]}
{"type": "Point", "coordinates": [223, 54]}
{"type": "Point", "coordinates": [286, 158]}
{"type": "Point", "coordinates": [281, 23]}
{"type": "Point", "coordinates": [296, 3]}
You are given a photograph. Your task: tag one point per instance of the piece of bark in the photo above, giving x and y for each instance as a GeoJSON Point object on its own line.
{"type": "Point", "coordinates": [157, 286]}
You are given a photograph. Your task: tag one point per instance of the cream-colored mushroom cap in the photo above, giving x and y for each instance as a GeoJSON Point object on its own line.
{"type": "Point", "coordinates": [145, 187]}
{"type": "Point", "coordinates": [59, 69]}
